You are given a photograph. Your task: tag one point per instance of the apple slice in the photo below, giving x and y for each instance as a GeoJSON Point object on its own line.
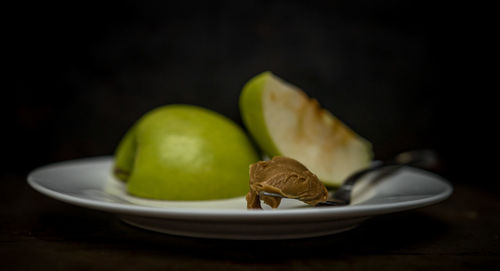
{"type": "Point", "coordinates": [283, 120]}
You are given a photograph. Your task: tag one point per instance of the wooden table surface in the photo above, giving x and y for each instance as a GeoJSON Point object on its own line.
{"type": "Point", "coordinates": [37, 232]}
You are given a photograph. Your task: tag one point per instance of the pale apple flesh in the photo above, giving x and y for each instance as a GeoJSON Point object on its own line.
{"type": "Point", "coordinates": [300, 129]}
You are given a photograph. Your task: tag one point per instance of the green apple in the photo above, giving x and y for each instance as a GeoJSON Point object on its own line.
{"type": "Point", "coordinates": [184, 152]}
{"type": "Point", "coordinates": [284, 121]}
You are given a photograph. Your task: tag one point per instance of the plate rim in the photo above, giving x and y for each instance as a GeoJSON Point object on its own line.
{"type": "Point", "coordinates": [243, 215]}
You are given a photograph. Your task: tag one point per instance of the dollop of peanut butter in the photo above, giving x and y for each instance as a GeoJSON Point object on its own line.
{"type": "Point", "coordinates": [284, 176]}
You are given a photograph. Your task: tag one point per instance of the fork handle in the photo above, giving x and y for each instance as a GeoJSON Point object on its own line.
{"type": "Point", "coordinates": [422, 158]}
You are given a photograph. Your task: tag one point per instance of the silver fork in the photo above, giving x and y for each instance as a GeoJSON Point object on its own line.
{"type": "Point", "coordinates": [426, 159]}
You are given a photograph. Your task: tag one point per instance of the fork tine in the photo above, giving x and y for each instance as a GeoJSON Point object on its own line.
{"type": "Point", "coordinates": [331, 202]}
{"type": "Point", "coordinates": [269, 194]}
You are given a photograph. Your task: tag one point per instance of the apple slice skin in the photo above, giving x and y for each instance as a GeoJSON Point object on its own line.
{"type": "Point", "coordinates": [184, 152]}
{"type": "Point", "coordinates": [330, 140]}
{"type": "Point", "coordinates": [251, 107]}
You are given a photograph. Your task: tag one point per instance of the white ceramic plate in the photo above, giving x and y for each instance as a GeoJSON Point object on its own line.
{"type": "Point", "coordinates": [89, 183]}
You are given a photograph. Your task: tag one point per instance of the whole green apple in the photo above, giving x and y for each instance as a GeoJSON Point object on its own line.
{"type": "Point", "coordinates": [184, 152]}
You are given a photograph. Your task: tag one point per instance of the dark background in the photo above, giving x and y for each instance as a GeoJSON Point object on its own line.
{"type": "Point", "coordinates": [403, 74]}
